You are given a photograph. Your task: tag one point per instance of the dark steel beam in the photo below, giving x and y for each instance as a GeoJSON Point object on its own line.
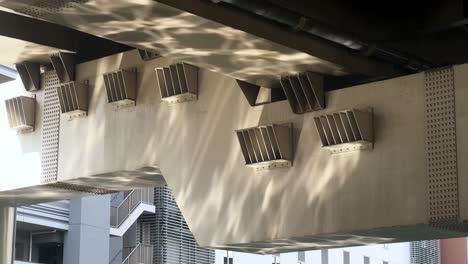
{"type": "Point", "coordinates": [314, 46]}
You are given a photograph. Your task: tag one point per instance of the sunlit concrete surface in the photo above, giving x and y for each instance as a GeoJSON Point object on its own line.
{"type": "Point", "coordinates": [323, 200]}
{"type": "Point", "coordinates": [187, 37]}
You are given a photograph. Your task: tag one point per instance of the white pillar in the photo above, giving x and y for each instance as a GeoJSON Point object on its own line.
{"type": "Point", "coordinates": [7, 234]}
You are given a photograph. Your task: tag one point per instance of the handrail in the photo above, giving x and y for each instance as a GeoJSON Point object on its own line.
{"type": "Point", "coordinates": [141, 254]}
{"type": "Point", "coordinates": [125, 208]}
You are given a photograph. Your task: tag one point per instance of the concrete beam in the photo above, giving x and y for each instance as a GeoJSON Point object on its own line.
{"type": "Point", "coordinates": [263, 28]}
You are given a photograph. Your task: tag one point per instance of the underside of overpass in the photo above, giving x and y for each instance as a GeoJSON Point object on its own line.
{"type": "Point", "coordinates": [279, 125]}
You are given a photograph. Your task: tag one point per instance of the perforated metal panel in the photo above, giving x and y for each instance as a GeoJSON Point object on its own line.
{"type": "Point", "coordinates": [441, 147]}
{"type": "Point", "coordinates": [40, 8]}
{"type": "Point", "coordinates": [51, 126]}
{"type": "Point", "coordinates": [79, 188]}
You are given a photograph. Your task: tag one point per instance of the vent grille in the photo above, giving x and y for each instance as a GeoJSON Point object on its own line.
{"type": "Point", "coordinates": [347, 130]}
{"type": "Point", "coordinates": [147, 55]}
{"type": "Point", "coordinates": [121, 87]}
{"type": "Point", "coordinates": [178, 83]}
{"type": "Point", "coordinates": [73, 98]}
{"type": "Point", "coordinates": [304, 92]}
{"type": "Point", "coordinates": [64, 65]}
{"type": "Point", "coordinates": [21, 113]}
{"type": "Point", "coordinates": [30, 74]}
{"type": "Point", "coordinates": [266, 147]}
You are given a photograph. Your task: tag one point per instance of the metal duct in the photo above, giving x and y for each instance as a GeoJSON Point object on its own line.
{"type": "Point", "coordinates": [346, 130]}
{"type": "Point", "coordinates": [267, 147]}
{"type": "Point", "coordinates": [304, 92]}
{"type": "Point", "coordinates": [178, 82]}
{"type": "Point", "coordinates": [21, 112]}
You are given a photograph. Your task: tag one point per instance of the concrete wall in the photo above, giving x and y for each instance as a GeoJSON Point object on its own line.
{"type": "Point", "coordinates": [87, 240]}
{"type": "Point", "coordinates": [195, 146]}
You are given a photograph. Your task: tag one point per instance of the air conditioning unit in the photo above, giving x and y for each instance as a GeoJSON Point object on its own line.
{"type": "Point", "coordinates": [304, 92]}
{"type": "Point", "coordinates": [21, 112]}
{"type": "Point", "coordinates": [267, 147]}
{"type": "Point", "coordinates": [73, 98]}
{"type": "Point", "coordinates": [347, 130]}
{"type": "Point", "coordinates": [121, 87]}
{"type": "Point", "coordinates": [178, 83]}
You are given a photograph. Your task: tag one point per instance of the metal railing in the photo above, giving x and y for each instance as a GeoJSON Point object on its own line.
{"type": "Point", "coordinates": [141, 254]}
{"type": "Point", "coordinates": [125, 208]}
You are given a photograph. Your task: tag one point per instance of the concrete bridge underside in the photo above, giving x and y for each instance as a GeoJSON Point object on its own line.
{"type": "Point", "coordinates": [324, 200]}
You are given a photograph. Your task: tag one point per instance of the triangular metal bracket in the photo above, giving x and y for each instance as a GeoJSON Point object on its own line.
{"type": "Point", "coordinates": [255, 94]}
{"type": "Point", "coordinates": [64, 65]}
{"type": "Point", "coordinates": [30, 74]}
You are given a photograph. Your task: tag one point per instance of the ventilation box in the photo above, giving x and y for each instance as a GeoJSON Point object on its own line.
{"type": "Point", "coordinates": [347, 130]}
{"type": "Point", "coordinates": [147, 55]}
{"type": "Point", "coordinates": [73, 98]}
{"type": "Point", "coordinates": [267, 147]}
{"type": "Point", "coordinates": [121, 87]}
{"type": "Point", "coordinates": [21, 112]}
{"type": "Point", "coordinates": [178, 83]}
{"type": "Point", "coordinates": [304, 92]}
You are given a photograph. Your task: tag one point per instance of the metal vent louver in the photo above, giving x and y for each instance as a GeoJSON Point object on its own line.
{"type": "Point", "coordinates": [121, 87]}
{"type": "Point", "coordinates": [30, 74]}
{"type": "Point", "coordinates": [64, 65]}
{"type": "Point", "coordinates": [21, 113]}
{"type": "Point", "coordinates": [257, 95]}
{"type": "Point", "coordinates": [346, 130]}
{"type": "Point", "coordinates": [178, 83]}
{"type": "Point", "coordinates": [73, 98]}
{"type": "Point", "coordinates": [304, 92]}
{"type": "Point", "coordinates": [147, 55]}
{"type": "Point", "coordinates": [266, 147]}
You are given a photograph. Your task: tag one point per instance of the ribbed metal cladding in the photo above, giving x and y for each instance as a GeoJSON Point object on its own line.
{"type": "Point", "coordinates": [172, 240]}
{"type": "Point", "coordinates": [304, 92]}
{"type": "Point", "coordinates": [346, 130]}
{"type": "Point", "coordinates": [266, 147]}
{"type": "Point", "coordinates": [178, 82]}
{"type": "Point", "coordinates": [30, 75]}
{"type": "Point", "coordinates": [21, 112]}
{"type": "Point", "coordinates": [73, 97]}
{"type": "Point", "coordinates": [64, 66]}
{"type": "Point", "coordinates": [121, 86]}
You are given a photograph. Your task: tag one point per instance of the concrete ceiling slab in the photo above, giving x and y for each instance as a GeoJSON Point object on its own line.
{"type": "Point", "coordinates": [187, 37]}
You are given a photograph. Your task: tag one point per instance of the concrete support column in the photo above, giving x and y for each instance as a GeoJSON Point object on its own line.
{"type": "Point", "coordinates": [7, 234]}
{"type": "Point", "coordinates": [87, 240]}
